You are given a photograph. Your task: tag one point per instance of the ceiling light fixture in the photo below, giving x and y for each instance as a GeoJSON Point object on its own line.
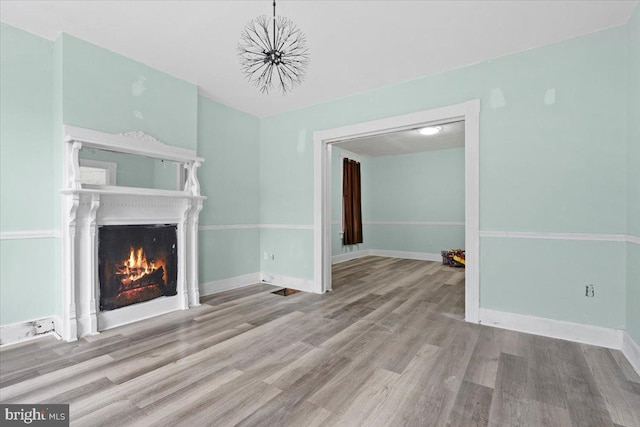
{"type": "Point", "coordinates": [431, 130]}
{"type": "Point", "coordinates": [273, 53]}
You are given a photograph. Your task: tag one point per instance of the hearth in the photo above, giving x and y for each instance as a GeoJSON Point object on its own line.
{"type": "Point", "coordinates": [136, 263]}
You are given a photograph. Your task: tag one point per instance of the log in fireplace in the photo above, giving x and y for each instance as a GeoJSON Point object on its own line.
{"type": "Point", "coordinates": [136, 263]}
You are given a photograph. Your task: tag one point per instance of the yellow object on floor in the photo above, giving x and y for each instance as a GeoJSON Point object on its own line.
{"type": "Point", "coordinates": [459, 259]}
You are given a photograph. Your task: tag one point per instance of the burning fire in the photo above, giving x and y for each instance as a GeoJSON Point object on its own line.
{"type": "Point", "coordinates": [136, 267]}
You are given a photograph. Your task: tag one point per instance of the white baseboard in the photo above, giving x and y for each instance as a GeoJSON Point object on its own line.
{"type": "Point", "coordinates": [422, 256]}
{"type": "Point", "coordinates": [217, 286]}
{"type": "Point", "coordinates": [631, 351]}
{"type": "Point", "coordinates": [296, 283]}
{"type": "Point", "coordinates": [348, 256]}
{"type": "Point", "coordinates": [586, 334]}
{"type": "Point", "coordinates": [132, 313]}
{"type": "Point", "coordinates": [22, 331]}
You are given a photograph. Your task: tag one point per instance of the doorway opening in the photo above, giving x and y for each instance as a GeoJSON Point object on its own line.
{"type": "Point", "coordinates": [468, 113]}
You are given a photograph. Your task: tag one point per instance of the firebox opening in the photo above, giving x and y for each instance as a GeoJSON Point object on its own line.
{"type": "Point", "coordinates": [137, 263]}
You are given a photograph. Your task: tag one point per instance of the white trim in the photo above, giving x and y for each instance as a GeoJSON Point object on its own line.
{"type": "Point", "coordinates": [287, 226]}
{"type": "Point", "coordinates": [595, 237]}
{"type": "Point", "coordinates": [633, 239]}
{"type": "Point", "coordinates": [297, 283]}
{"type": "Point", "coordinates": [135, 142]}
{"type": "Point", "coordinates": [422, 256]}
{"type": "Point", "coordinates": [586, 334]}
{"type": "Point", "coordinates": [248, 226]}
{"type": "Point", "coordinates": [131, 191]}
{"type": "Point", "coordinates": [350, 156]}
{"type": "Point", "coordinates": [469, 112]}
{"type": "Point", "coordinates": [31, 234]}
{"type": "Point", "coordinates": [22, 331]}
{"type": "Point", "coordinates": [217, 286]}
{"type": "Point", "coordinates": [136, 312]}
{"type": "Point", "coordinates": [348, 256]}
{"type": "Point", "coordinates": [228, 227]}
{"type": "Point", "coordinates": [429, 223]}
{"type": "Point", "coordinates": [631, 351]}
{"type": "Point", "coordinates": [472, 210]}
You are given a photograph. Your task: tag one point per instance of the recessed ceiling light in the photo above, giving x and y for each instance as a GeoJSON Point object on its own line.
{"type": "Point", "coordinates": [431, 130]}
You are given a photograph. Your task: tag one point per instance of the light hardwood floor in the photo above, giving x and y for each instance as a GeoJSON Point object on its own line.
{"type": "Point", "coordinates": [388, 347]}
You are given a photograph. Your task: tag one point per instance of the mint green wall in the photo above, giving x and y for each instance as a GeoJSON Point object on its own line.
{"type": "Point", "coordinates": [111, 93]}
{"type": "Point", "coordinates": [57, 134]}
{"type": "Point", "coordinates": [26, 116]}
{"type": "Point", "coordinates": [426, 186]}
{"type": "Point", "coordinates": [286, 196]}
{"type": "Point", "coordinates": [229, 141]}
{"type": "Point", "coordinates": [429, 239]}
{"type": "Point", "coordinates": [28, 291]}
{"type": "Point", "coordinates": [547, 278]}
{"type": "Point", "coordinates": [543, 165]}
{"type": "Point", "coordinates": [633, 175]}
{"type": "Point", "coordinates": [421, 187]}
{"type": "Point", "coordinates": [290, 248]}
{"type": "Point", "coordinates": [26, 126]}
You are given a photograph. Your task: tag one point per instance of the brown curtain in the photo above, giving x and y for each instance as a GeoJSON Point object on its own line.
{"type": "Point", "coordinates": [351, 202]}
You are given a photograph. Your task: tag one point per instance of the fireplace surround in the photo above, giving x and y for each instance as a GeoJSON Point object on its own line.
{"type": "Point", "coordinates": [154, 276]}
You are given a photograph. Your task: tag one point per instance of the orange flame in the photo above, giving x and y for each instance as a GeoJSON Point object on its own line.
{"type": "Point", "coordinates": [136, 266]}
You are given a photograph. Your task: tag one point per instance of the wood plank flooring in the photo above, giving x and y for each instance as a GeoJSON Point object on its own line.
{"type": "Point", "coordinates": [388, 347]}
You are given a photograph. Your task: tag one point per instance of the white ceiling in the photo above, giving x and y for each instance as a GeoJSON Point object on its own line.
{"type": "Point", "coordinates": [355, 45]}
{"type": "Point", "coordinates": [407, 142]}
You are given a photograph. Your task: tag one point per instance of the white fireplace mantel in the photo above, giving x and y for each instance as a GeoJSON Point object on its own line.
{"type": "Point", "coordinates": [86, 209]}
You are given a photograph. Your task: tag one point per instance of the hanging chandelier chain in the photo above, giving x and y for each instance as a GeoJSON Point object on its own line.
{"type": "Point", "coordinates": [274, 24]}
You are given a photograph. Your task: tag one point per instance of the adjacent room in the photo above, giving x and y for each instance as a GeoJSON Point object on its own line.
{"type": "Point", "coordinates": [410, 202]}
{"type": "Point", "coordinates": [319, 213]}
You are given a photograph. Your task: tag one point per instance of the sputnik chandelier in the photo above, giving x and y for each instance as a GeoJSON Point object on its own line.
{"type": "Point", "coordinates": [273, 53]}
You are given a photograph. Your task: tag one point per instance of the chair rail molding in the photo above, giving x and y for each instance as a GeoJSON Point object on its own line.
{"type": "Point", "coordinates": [30, 234]}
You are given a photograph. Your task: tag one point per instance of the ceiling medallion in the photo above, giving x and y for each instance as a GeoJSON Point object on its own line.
{"type": "Point", "coordinates": [273, 53]}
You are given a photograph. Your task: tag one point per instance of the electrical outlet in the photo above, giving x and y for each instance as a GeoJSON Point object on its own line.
{"type": "Point", "coordinates": [273, 256]}
{"type": "Point", "coordinates": [589, 291]}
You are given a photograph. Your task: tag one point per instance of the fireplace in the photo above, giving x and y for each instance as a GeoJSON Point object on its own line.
{"type": "Point", "coordinates": [115, 273]}
{"type": "Point", "coordinates": [136, 263]}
